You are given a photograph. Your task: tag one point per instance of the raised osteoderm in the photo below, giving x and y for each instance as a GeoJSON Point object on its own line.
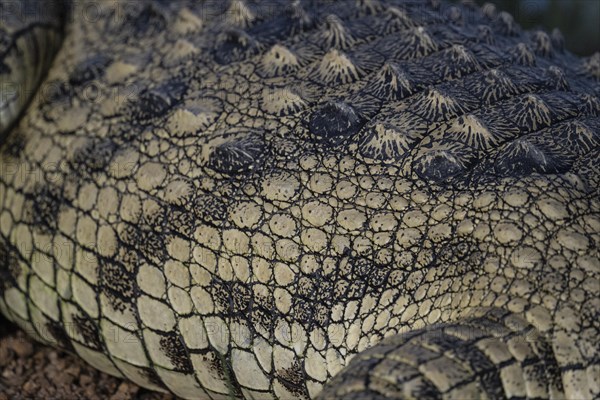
{"type": "Point", "coordinates": [362, 199]}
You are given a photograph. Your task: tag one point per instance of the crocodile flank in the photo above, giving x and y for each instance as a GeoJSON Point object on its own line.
{"type": "Point", "coordinates": [366, 199]}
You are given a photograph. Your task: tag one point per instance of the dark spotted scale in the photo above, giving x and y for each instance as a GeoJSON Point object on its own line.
{"type": "Point", "coordinates": [334, 122]}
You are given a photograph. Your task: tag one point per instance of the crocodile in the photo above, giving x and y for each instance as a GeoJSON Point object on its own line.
{"type": "Point", "coordinates": [303, 199]}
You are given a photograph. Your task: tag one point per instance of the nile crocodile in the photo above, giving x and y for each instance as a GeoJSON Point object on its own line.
{"type": "Point", "coordinates": [298, 199]}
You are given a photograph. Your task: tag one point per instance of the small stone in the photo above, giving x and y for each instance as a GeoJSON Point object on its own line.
{"type": "Point", "coordinates": [23, 348]}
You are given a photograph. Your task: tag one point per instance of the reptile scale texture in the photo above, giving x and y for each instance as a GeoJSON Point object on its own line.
{"type": "Point", "coordinates": [370, 199]}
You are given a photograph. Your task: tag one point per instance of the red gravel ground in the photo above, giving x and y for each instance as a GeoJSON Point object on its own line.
{"type": "Point", "coordinates": [29, 370]}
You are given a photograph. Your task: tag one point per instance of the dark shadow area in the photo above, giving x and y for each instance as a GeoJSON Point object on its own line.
{"type": "Point", "coordinates": [578, 20]}
{"type": "Point", "coordinates": [6, 327]}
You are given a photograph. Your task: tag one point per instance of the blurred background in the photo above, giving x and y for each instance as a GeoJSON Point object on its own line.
{"type": "Point", "coordinates": [578, 20]}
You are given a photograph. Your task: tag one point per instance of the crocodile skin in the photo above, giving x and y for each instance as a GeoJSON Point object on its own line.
{"type": "Point", "coordinates": [272, 200]}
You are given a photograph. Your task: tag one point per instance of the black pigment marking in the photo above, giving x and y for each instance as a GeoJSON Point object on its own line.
{"type": "Point", "coordinates": [10, 270]}
{"type": "Point", "coordinates": [172, 345]}
{"type": "Point", "coordinates": [118, 284]}
{"type": "Point", "coordinates": [234, 297]}
{"type": "Point", "coordinates": [302, 310]}
{"type": "Point", "coordinates": [43, 206]}
{"type": "Point", "coordinates": [210, 209]}
{"type": "Point", "coordinates": [58, 332]}
{"type": "Point", "coordinates": [183, 221]}
{"type": "Point", "coordinates": [89, 69]}
{"type": "Point", "coordinates": [293, 379]}
{"type": "Point", "coordinates": [94, 156]}
{"type": "Point", "coordinates": [149, 243]}
{"type": "Point", "coordinates": [153, 377]}
{"type": "Point", "coordinates": [88, 329]}
{"type": "Point", "coordinates": [14, 146]}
